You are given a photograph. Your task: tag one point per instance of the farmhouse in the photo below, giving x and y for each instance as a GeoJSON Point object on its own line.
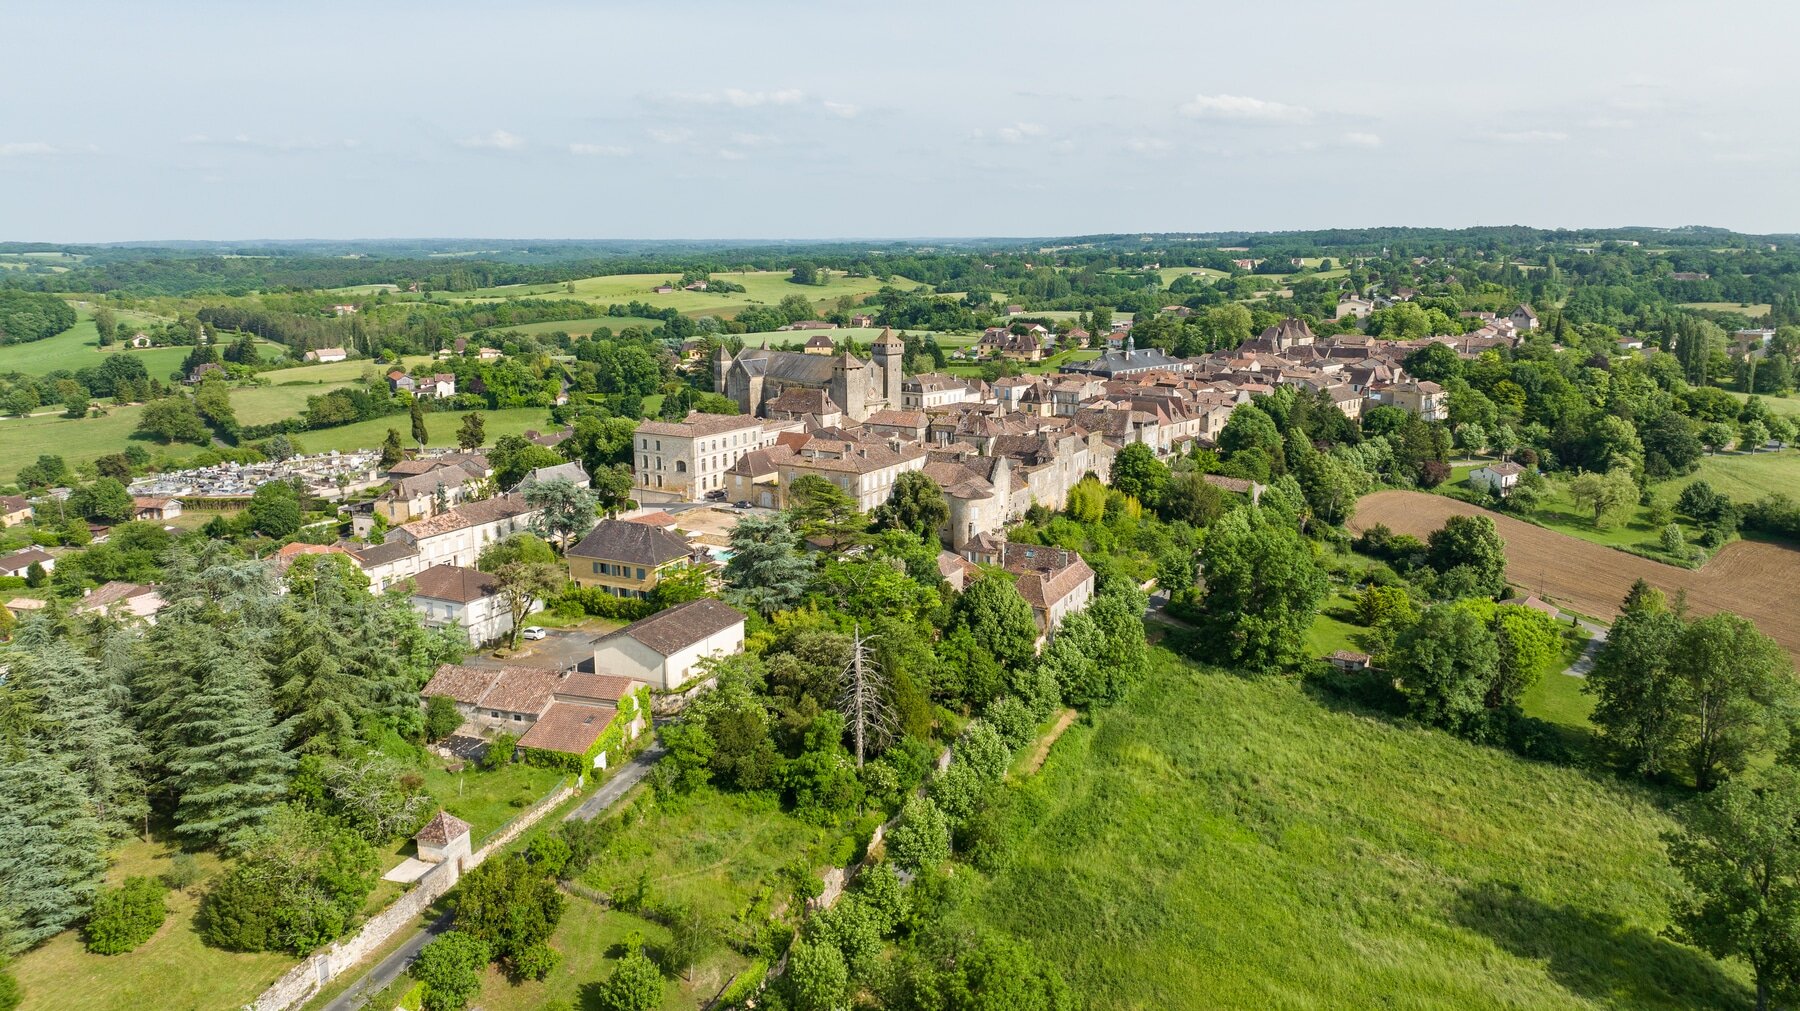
{"type": "Point", "coordinates": [14, 510]}
{"type": "Point", "coordinates": [18, 564]}
{"type": "Point", "coordinates": [1498, 478]}
{"type": "Point", "coordinates": [324, 355]}
{"type": "Point", "coordinates": [557, 711]}
{"type": "Point", "coordinates": [819, 344]}
{"type": "Point", "coordinates": [665, 649]}
{"type": "Point", "coordinates": [627, 559]}
{"type": "Point", "coordinates": [123, 600]}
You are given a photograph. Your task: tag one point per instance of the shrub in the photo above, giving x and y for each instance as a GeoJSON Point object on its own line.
{"type": "Point", "coordinates": [441, 718]}
{"type": "Point", "coordinates": [536, 962]}
{"type": "Point", "coordinates": [635, 985]}
{"type": "Point", "coordinates": [301, 881]}
{"type": "Point", "coordinates": [126, 916]}
{"type": "Point", "coordinates": [183, 872]}
{"type": "Point", "coordinates": [499, 752]}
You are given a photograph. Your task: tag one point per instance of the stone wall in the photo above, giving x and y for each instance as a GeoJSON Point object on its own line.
{"type": "Point", "coordinates": [305, 979]}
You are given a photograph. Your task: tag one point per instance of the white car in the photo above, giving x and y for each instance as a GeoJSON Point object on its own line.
{"type": "Point", "coordinates": [535, 632]}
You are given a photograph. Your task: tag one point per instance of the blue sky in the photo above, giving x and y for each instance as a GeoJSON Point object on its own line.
{"type": "Point", "coordinates": [771, 119]}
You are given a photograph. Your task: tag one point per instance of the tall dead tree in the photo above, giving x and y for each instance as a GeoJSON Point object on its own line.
{"type": "Point", "coordinates": [862, 697]}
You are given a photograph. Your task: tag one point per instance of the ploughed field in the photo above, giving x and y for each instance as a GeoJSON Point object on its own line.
{"type": "Point", "coordinates": [1751, 578]}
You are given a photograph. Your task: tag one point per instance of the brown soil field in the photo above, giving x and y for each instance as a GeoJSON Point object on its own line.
{"type": "Point", "coordinates": [1750, 578]}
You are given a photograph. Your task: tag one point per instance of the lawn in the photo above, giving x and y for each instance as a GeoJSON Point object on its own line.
{"type": "Point", "coordinates": [1220, 841]}
{"type": "Point", "coordinates": [1049, 364]}
{"type": "Point", "coordinates": [288, 389]}
{"type": "Point", "coordinates": [1628, 530]}
{"type": "Point", "coordinates": [1331, 630]}
{"type": "Point", "coordinates": [1789, 404]}
{"type": "Point", "coordinates": [79, 347]}
{"type": "Point", "coordinates": [765, 287]}
{"type": "Point", "coordinates": [171, 970]}
{"type": "Point", "coordinates": [488, 800]}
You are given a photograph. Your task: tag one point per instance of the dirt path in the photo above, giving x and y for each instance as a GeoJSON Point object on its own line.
{"type": "Point", "coordinates": [1751, 578]}
{"type": "Point", "coordinates": [1040, 749]}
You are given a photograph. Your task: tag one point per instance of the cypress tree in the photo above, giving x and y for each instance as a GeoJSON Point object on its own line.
{"type": "Point", "coordinates": [50, 848]}
{"type": "Point", "coordinates": [227, 764]}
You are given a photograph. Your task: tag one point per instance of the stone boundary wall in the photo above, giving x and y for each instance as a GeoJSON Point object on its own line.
{"type": "Point", "coordinates": [305, 979]}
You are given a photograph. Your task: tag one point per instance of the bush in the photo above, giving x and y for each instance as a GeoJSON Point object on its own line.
{"type": "Point", "coordinates": [11, 994]}
{"type": "Point", "coordinates": [499, 752]}
{"type": "Point", "coordinates": [635, 985]}
{"type": "Point", "coordinates": [183, 872]}
{"type": "Point", "coordinates": [536, 962]}
{"type": "Point", "coordinates": [126, 916]}
{"type": "Point", "coordinates": [441, 718]}
{"type": "Point", "coordinates": [303, 878]}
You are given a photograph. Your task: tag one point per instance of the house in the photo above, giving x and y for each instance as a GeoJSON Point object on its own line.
{"type": "Point", "coordinates": [199, 372]}
{"type": "Point", "coordinates": [124, 600]}
{"type": "Point", "coordinates": [155, 507]}
{"type": "Point", "coordinates": [139, 341]}
{"type": "Point", "coordinates": [819, 344]}
{"type": "Point", "coordinates": [14, 510]}
{"type": "Point", "coordinates": [572, 472]}
{"type": "Point", "coordinates": [681, 461]}
{"type": "Point", "coordinates": [457, 536]}
{"type": "Point", "coordinates": [627, 559]}
{"type": "Point", "coordinates": [417, 496]}
{"type": "Point", "coordinates": [444, 838]}
{"type": "Point", "coordinates": [694, 286]}
{"type": "Point", "coordinates": [1176, 310]}
{"type": "Point", "coordinates": [323, 355]}
{"type": "Point", "coordinates": [663, 289]}
{"type": "Point", "coordinates": [487, 354]}
{"type": "Point", "coordinates": [810, 324]}
{"type": "Point", "coordinates": [1054, 581]}
{"type": "Point", "coordinates": [862, 321]}
{"type": "Point", "coordinates": [1351, 304]}
{"type": "Point", "coordinates": [1348, 660]}
{"type": "Point", "coordinates": [19, 563]}
{"type": "Point", "coordinates": [453, 596]}
{"type": "Point", "coordinates": [1523, 318]}
{"type": "Point", "coordinates": [1498, 478]}
{"type": "Point", "coordinates": [564, 712]}
{"type": "Point", "coordinates": [343, 309]}
{"type": "Point", "coordinates": [665, 649]}
{"type": "Point", "coordinates": [1015, 310]}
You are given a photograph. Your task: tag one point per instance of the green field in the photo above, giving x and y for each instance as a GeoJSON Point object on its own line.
{"type": "Point", "coordinates": [1747, 477]}
{"type": "Point", "coordinates": [78, 441]}
{"type": "Point", "coordinates": [1628, 530]}
{"type": "Point", "coordinates": [1752, 310]}
{"type": "Point", "coordinates": [1049, 364]}
{"type": "Point", "coordinates": [1329, 632]}
{"type": "Point", "coordinates": [1217, 841]}
{"type": "Point", "coordinates": [1789, 404]}
{"type": "Point", "coordinates": [79, 347]}
{"type": "Point", "coordinates": [285, 396]}
{"type": "Point", "coordinates": [765, 287]}
{"type": "Point", "coordinates": [440, 426]}
{"type": "Point", "coordinates": [862, 335]}
{"type": "Point", "coordinates": [576, 327]}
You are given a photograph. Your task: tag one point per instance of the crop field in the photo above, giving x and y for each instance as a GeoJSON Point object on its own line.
{"type": "Point", "coordinates": [765, 287]}
{"type": "Point", "coordinates": [1217, 841]}
{"type": "Point", "coordinates": [1751, 578]}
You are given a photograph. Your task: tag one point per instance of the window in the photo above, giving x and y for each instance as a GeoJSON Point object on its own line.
{"type": "Point", "coordinates": [517, 718]}
{"type": "Point", "coordinates": [596, 568]}
{"type": "Point", "coordinates": [640, 574]}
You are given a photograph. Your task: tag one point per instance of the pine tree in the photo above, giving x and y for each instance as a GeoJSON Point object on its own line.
{"type": "Point", "coordinates": [226, 763]}
{"type": "Point", "coordinates": [50, 848]}
{"type": "Point", "coordinates": [417, 411]}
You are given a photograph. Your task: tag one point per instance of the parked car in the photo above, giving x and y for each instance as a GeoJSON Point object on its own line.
{"type": "Point", "coordinates": [535, 632]}
{"type": "Point", "coordinates": [716, 495]}
{"type": "Point", "coordinates": [744, 504]}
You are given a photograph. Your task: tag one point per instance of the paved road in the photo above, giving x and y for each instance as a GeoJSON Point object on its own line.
{"type": "Point", "coordinates": [614, 788]}
{"type": "Point", "coordinates": [390, 968]}
{"type": "Point", "coordinates": [1585, 662]}
{"type": "Point", "coordinates": [560, 650]}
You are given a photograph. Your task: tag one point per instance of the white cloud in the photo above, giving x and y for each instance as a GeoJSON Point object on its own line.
{"type": "Point", "coordinates": [1018, 133]}
{"type": "Point", "coordinates": [1149, 146]}
{"type": "Point", "coordinates": [26, 149]}
{"type": "Point", "coordinates": [499, 140]}
{"type": "Point", "coordinates": [670, 134]}
{"type": "Point", "coordinates": [727, 154]}
{"type": "Point", "coordinates": [600, 150]}
{"type": "Point", "coordinates": [753, 139]}
{"type": "Point", "coordinates": [1359, 138]}
{"type": "Point", "coordinates": [1244, 109]}
{"type": "Point", "coordinates": [1531, 137]}
{"type": "Point", "coordinates": [748, 99]}
{"type": "Point", "coordinates": [843, 110]}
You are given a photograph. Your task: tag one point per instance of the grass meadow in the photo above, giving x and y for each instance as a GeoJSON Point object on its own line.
{"type": "Point", "coordinates": [77, 440]}
{"type": "Point", "coordinates": [440, 426]}
{"type": "Point", "coordinates": [1751, 309]}
{"type": "Point", "coordinates": [765, 287]}
{"type": "Point", "coordinates": [1219, 841]}
{"type": "Point", "coordinates": [79, 347]}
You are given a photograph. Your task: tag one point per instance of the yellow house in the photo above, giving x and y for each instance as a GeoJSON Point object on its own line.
{"type": "Point", "coordinates": [626, 559]}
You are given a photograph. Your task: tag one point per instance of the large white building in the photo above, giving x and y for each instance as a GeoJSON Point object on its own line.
{"type": "Point", "coordinates": [664, 650]}
{"type": "Point", "coordinates": [681, 461]}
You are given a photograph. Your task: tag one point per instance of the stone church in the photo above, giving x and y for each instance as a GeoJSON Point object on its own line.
{"type": "Point", "coordinates": [855, 388]}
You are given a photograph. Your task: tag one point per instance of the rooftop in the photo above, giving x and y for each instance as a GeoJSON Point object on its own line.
{"type": "Point", "coordinates": [669, 632]}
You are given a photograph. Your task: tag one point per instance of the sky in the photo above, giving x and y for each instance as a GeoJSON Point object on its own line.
{"type": "Point", "coordinates": [765, 119]}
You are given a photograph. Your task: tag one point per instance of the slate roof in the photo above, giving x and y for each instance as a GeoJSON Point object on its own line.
{"type": "Point", "coordinates": [696, 424]}
{"type": "Point", "coordinates": [671, 631]}
{"type": "Point", "coordinates": [384, 553]}
{"type": "Point", "coordinates": [633, 543]}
